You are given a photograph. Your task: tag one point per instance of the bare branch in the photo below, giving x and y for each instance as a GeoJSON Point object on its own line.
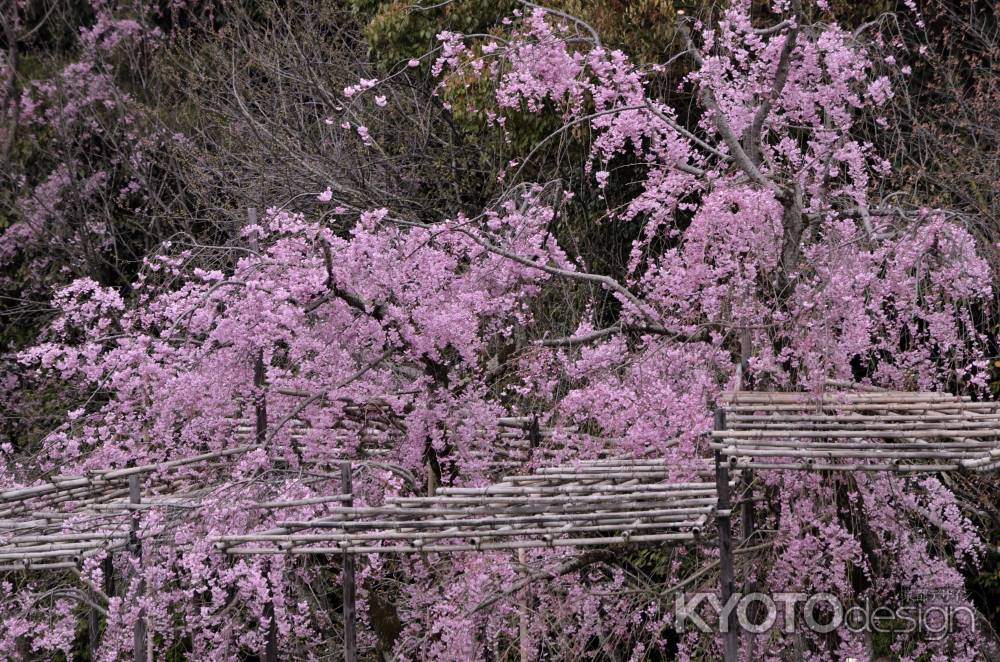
{"type": "Point", "coordinates": [780, 78]}
{"type": "Point", "coordinates": [722, 125]}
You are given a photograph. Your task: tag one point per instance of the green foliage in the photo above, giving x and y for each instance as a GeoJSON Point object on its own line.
{"type": "Point", "coordinates": [397, 30]}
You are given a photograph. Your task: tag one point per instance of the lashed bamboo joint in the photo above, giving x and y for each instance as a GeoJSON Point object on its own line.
{"type": "Point", "coordinates": [859, 431]}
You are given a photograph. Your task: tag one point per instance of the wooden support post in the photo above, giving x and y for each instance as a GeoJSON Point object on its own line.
{"type": "Point", "coordinates": [722, 518]}
{"type": "Point", "coordinates": [350, 626]}
{"type": "Point", "coordinates": [139, 629]}
{"type": "Point", "coordinates": [108, 566]}
{"type": "Point", "coordinates": [251, 220]}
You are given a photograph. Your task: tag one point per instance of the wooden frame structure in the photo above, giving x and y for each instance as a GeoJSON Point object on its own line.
{"type": "Point", "coordinates": [58, 524]}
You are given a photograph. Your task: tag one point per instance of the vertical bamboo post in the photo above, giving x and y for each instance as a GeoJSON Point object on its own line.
{"type": "Point", "coordinates": [93, 627]}
{"type": "Point", "coordinates": [747, 525]}
{"type": "Point", "coordinates": [109, 575]}
{"type": "Point", "coordinates": [252, 220]}
{"type": "Point", "coordinates": [722, 519]}
{"type": "Point", "coordinates": [260, 398]}
{"type": "Point", "coordinates": [746, 508]}
{"type": "Point", "coordinates": [271, 644]}
{"type": "Point", "coordinates": [350, 626]}
{"type": "Point", "coordinates": [525, 645]}
{"type": "Point", "coordinates": [260, 434]}
{"type": "Point", "coordinates": [139, 628]}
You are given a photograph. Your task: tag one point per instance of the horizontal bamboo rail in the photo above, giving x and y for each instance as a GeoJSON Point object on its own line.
{"type": "Point", "coordinates": [470, 547]}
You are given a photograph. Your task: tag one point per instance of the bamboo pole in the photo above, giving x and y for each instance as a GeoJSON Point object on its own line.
{"type": "Point", "coordinates": [260, 436]}
{"type": "Point", "coordinates": [71, 547]}
{"type": "Point", "coordinates": [494, 520]}
{"type": "Point", "coordinates": [294, 503]}
{"type": "Point", "coordinates": [872, 444]}
{"type": "Point", "coordinates": [566, 476]}
{"type": "Point", "coordinates": [109, 475]}
{"type": "Point", "coordinates": [30, 565]}
{"type": "Point", "coordinates": [651, 495]}
{"type": "Point", "coordinates": [767, 397]}
{"type": "Point", "coordinates": [873, 424]}
{"type": "Point", "coordinates": [736, 420]}
{"type": "Point", "coordinates": [862, 406]}
{"type": "Point", "coordinates": [879, 454]}
{"type": "Point", "coordinates": [533, 543]}
{"type": "Point", "coordinates": [747, 524]}
{"type": "Point", "coordinates": [76, 554]}
{"type": "Point", "coordinates": [677, 489]}
{"type": "Point", "coordinates": [626, 524]}
{"type": "Point", "coordinates": [855, 433]}
{"type": "Point", "coordinates": [849, 467]}
{"type": "Point", "coordinates": [726, 580]}
{"type": "Point", "coordinates": [350, 627]}
{"type": "Point", "coordinates": [986, 459]}
{"type": "Point", "coordinates": [139, 628]}
{"type": "Point", "coordinates": [66, 537]}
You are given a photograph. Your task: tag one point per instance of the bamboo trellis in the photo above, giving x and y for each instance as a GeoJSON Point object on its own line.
{"type": "Point", "coordinates": [596, 502]}
{"type": "Point", "coordinates": [63, 520]}
{"type": "Point", "coordinates": [859, 431]}
{"type": "Point", "coordinates": [371, 440]}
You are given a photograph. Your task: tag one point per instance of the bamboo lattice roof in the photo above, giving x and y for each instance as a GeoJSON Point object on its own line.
{"type": "Point", "coordinates": [596, 502]}
{"type": "Point", "coordinates": [65, 519]}
{"type": "Point", "coordinates": [859, 431]}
